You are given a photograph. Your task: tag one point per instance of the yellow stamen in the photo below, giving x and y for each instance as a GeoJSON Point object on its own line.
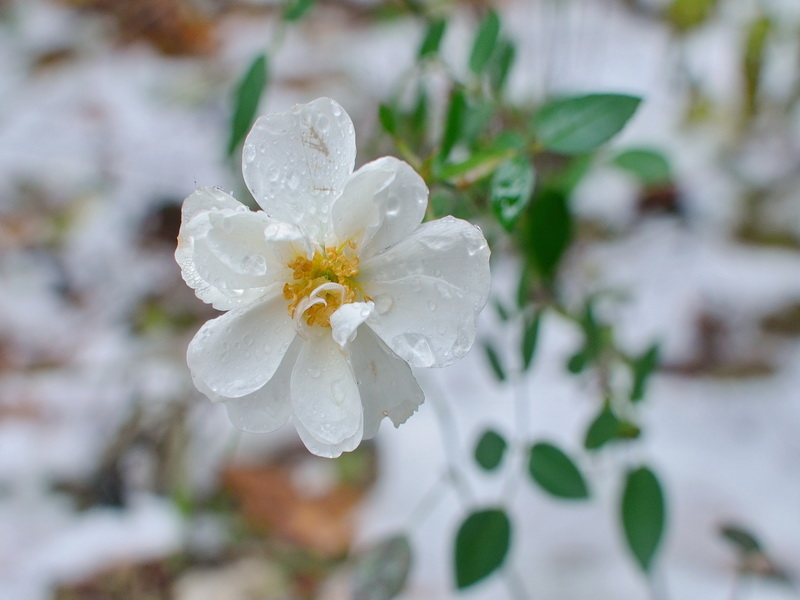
{"type": "Point", "coordinates": [329, 265]}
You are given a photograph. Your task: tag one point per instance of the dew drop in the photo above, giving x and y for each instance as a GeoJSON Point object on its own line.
{"type": "Point", "coordinates": [338, 391]}
{"type": "Point", "coordinates": [248, 340]}
{"type": "Point", "coordinates": [254, 264]}
{"type": "Point", "coordinates": [293, 181]}
{"type": "Point", "coordinates": [314, 372]}
{"type": "Point", "coordinates": [336, 110]}
{"type": "Point", "coordinates": [249, 153]}
{"type": "Point", "coordinates": [431, 305]}
{"type": "Point", "coordinates": [323, 123]}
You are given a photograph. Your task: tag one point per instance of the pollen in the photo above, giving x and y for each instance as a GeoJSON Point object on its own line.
{"type": "Point", "coordinates": [329, 265]}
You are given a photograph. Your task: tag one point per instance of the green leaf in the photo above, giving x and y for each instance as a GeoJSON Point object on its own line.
{"type": "Point", "coordinates": [593, 332]}
{"type": "Point", "coordinates": [381, 572]}
{"type": "Point", "coordinates": [744, 541]}
{"type": "Point", "coordinates": [501, 62]}
{"type": "Point", "coordinates": [648, 166]}
{"type": "Point", "coordinates": [248, 96]}
{"type": "Point", "coordinates": [577, 362]}
{"type": "Point", "coordinates": [454, 123]}
{"type": "Point", "coordinates": [510, 190]}
{"type": "Point", "coordinates": [556, 473]}
{"type": "Point", "coordinates": [643, 367]}
{"type": "Point", "coordinates": [643, 515]}
{"type": "Point", "coordinates": [388, 119]}
{"type": "Point", "coordinates": [579, 124]}
{"type": "Point", "coordinates": [482, 544]}
{"type": "Point", "coordinates": [530, 337]}
{"type": "Point", "coordinates": [490, 450]}
{"type": "Point", "coordinates": [603, 429]}
{"type": "Point", "coordinates": [550, 230]}
{"type": "Point", "coordinates": [485, 41]}
{"type": "Point", "coordinates": [433, 38]}
{"type": "Point", "coordinates": [494, 361]}
{"type": "Point", "coordinates": [473, 169]}
{"type": "Point", "coordinates": [688, 14]}
{"type": "Point", "coordinates": [753, 60]}
{"type": "Point", "coordinates": [295, 9]}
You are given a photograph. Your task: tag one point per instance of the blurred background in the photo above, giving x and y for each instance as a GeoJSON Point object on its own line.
{"type": "Point", "coordinates": [119, 480]}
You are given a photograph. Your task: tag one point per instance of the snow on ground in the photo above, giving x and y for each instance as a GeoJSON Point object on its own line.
{"type": "Point", "coordinates": [117, 132]}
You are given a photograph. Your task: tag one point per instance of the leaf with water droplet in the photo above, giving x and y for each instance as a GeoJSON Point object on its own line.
{"type": "Point", "coordinates": [510, 190]}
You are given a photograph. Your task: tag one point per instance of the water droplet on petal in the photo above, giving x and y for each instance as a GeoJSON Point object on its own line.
{"type": "Point", "coordinates": [248, 340]}
{"type": "Point", "coordinates": [249, 153]}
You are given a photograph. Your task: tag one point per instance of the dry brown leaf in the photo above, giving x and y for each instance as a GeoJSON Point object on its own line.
{"type": "Point", "coordinates": [270, 502]}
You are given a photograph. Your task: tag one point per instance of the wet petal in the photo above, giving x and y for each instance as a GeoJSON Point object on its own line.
{"type": "Point", "coordinates": [326, 450]}
{"type": "Point", "coordinates": [201, 270]}
{"type": "Point", "coordinates": [345, 321]}
{"type": "Point", "coordinates": [448, 249]}
{"type": "Point", "coordinates": [385, 382]}
{"type": "Point", "coordinates": [296, 163]}
{"type": "Point", "coordinates": [382, 203]}
{"type": "Point", "coordinates": [269, 407]}
{"type": "Point", "coordinates": [237, 353]}
{"type": "Point", "coordinates": [425, 321]}
{"type": "Point", "coordinates": [325, 397]}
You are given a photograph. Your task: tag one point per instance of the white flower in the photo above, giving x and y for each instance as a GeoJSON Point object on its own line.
{"type": "Point", "coordinates": [332, 291]}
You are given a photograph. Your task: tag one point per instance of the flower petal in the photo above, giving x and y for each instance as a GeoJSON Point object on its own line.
{"type": "Point", "coordinates": [385, 382]}
{"type": "Point", "coordinates": [447, 249]}
{"type": "Point", "coordinates": [382, 203]}
{"type": "Point", "coordinates": [428, 290]}
{"type": "Point", "coordinates": [205, 199]}
{"type": "Point", "coordinates": [425, 321]}
{"type": "Point", "coordinates": [325, 397]}
{"type": "Point", "coordinates": [326, 450]}
{"type": "Point", "coordinates": [207, 280]}
{"type": "Point", "coordinates": [269, 407]}
{"type": "Point", "coordinates": [296, 163]}
{"type": "Point", "coordinates": [347, 318]}
{"type": "Point", "coordinates": [226, 253]}
{"type": "Point", "coordinates": [237, 353]}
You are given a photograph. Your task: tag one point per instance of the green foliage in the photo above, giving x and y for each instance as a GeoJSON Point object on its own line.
{"type": "Point", "coordinates": [688, 14]}
{"type": "Point", "coordinates": [530, 337]}
{"type": "Point", "coordinates": [433, 38]}
{"type": "Point", "coordinates": [490, 450]}
{"type": "Point", "coordinates": [454, 124]}
{"type": "Point", "coordinates": [556, 473]}
{"type": "Point", "coordinates": [580, 124]}
{"type": "Point", "coordinates": [500, 64]}
{"type": "Point", "coordinates": [248, 95]}
{"type": "Point", "coordinates": [642, 368]}
{"type": "Point", "coordinates": [643, 515]}
{"type": "Point", "coordinates": [745, 542]}
{"type": "Point", "coordinates": [510, 190]}
{"type": "Point", "coordinates": [604, 428]}
{"type": "Point", "coordinates": [381, 572]}
{"type": "Point", "coordinates": [388, 119]}
{"type": "Point", "coordinates": [752, 63]}
{"type": "Point", "coordinates": [550, 230]}
{"type": "Point", "coordinates": [595, 340]}
{"type": "Point", "coordinates": [494, 361]}
{"type": "Point", "coordinates": [648, 166]}
{"type": "Point", "coordinates": [481, 546]}
{"type": "Point", "coordinates": [485, 41]}
{"type": "Point", "coordinates": [294, 10]}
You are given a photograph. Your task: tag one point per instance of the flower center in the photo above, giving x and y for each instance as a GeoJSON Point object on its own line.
{"type": "Point", "coordinates": [312, 292]}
